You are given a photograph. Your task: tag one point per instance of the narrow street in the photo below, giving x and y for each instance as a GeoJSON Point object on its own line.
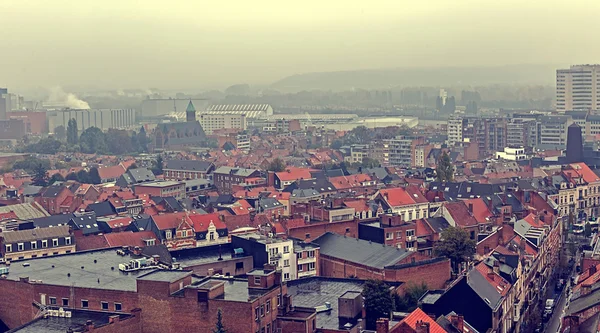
{"type": "Point", "coordinates": [553, 325]}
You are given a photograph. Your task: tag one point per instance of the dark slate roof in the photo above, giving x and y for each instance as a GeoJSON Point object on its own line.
{"type": "Point", "coordinates": [379, 173]}
{"type": "Point", "coordinates": [465, 190]}
{"type": "Point", "coordinates": [320, 185]}
{"type": "Point", "coordinates": [484, 289]}
{"type": "Point", "coordinates": [438, 224]}
{"type": "Point", "coordinates": [269, 203]}
{"type": "Point", "coordinates": [304, 193]}
{"type": "Point", "coordinates": [53, 220]}
{"type": "Point", "coordinates": [170, 202]}
{"type": "Point", "coordinates": [193, 165]}
{"type": "Point", "coordinates": [102, 208]}
{"type": "Point", "coordinates": [76, 323]}
{"type": "Point", "coordinates": [31, 190]}
{"type": "Point", "coordinates": [87, 223]}
{"type": "Point", "coordinates": [139, 175]}
{"type": "Point", "coordinates": [192, 127]}
{"type": "Point", "coordinates": [52, 191]}
{"type": "Point", "coordinates": [360, 251]}
{"type": "Point", "coordinates": [144, 223]}
{"type": "Point", "coordinates": [159, 250]}
{"type": "Point", "coordinates": [447, 325]}
{"type": "Point", "coordinates": [584, 302]}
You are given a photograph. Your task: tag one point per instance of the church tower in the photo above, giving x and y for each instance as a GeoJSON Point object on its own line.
{"type": "Point", "coordinates": [190, 112]}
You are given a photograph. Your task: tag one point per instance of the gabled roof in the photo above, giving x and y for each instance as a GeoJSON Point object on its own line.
{"type": "Point", "coordinates": [419, 316]}
{"type": "Point", "coordinates": [399, 196]}
{"type": "Point", "coordinates": [481, 213]}
{"type": "Point", "coordinates": [202, 221]}
{"type": "Point", "coordinates": [360, 251]}
{"type": "Point", "coordinates": [139, 175]}
{"type": "Point", "coordinates": [111, 172]}
{"type": "Point", "coordinates": [26, 211]}
{"type": "Point", "coordinates": [102, 208]}
{"type": "Point", "coordinates": [170, 221]}
{"type": "Point", "coordinates": [188, 165]}
{"type": "Point", "coordinates": [487, 287]}
{"type": "Point", "coordinates": [129, 238]}
{"type": "Point", "coordinates": [235, 171]}
{"type": "Point", "coordinates": [52, 191]}
{"type": "Point", "coordinates": [460, 213]}
{"type": "Point", "coordinates": [291, 174]}
{"type": "Point", "coordinates": [585, 172]}
{"type": "Point", "coordinates": [35, 234]}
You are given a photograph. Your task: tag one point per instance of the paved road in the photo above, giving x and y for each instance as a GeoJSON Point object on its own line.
{"type": "Point", "coordinates": [553, 324]}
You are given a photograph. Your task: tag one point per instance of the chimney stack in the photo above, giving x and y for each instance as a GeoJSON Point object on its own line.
{"type": "Point", "coordinates": [458, 321]}
{"type": "Point", "coordinates": [383, 325]}
{"type": "Point", "coordinates": [422, 327]}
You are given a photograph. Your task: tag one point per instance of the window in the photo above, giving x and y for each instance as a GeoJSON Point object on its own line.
{"type": "Point", "coordinates": [300, 268]}
{"type": "Point", "coordinates": [286, 249]}
{"type": "Point", "coordinates": [286, 263]}
{"type": "Point", "coordinates": [410, 233]}
{"type": "Point", "coordinates": [286, 276]}
{"type": "Point", "coordinates": [168, 234]}
{"type": "Point", "coordinates": [55, 242]}
{"type": "Point", "coordinates": [256, 312]}
{"type": "Point", "coordinates": [104, 305]}
{"type": "Point", "coordinates": [211, 236]}
{"type": "Point", "coordinates": [20, 247]}
{"type": "Point", "coordinates": [299, 255]}
{"type": "Point", "coordinates": [278, 299]}
{"type": "Point", "coordinates": [45, 243]}
{"type": "Point", "coordinates": [65, 302]}
{"type": "Point", "coordinates": [311, 266]}
{"type": "Point", "coordinates": [389, 235]}
{"type": "Point", "coordinates": [68, 240]}
{"type": "Point", "coordinates": [398, 234]}
{"type": "Point", "coordinates": [183, 233]}
{"type": "Point", "coordinates": [34, 245]}
{"type": "Point", "coordinates": [262, 310]}
{"type": "Point", "coordinates": [118, 306]}
{"type": "Point", "coordinates": [239, 265]}
{"type": "Point", "coordinates": [8, 247]}
{"type": "Point", "coordinates": [311, 254]}
{"type": "Point", "coordinates": [268, 328]}
{"type": "Point", "coordinates": [84, 303]}
{"type": "Point", "coordinates": [52, 300]}
{"type": "Point", "coordinates": [268, 306]}
{"type": "Point", "coordinates": [257, 280]}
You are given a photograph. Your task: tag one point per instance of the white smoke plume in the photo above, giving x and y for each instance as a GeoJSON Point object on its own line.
{"type": "Point", "coordinates": [59, 96]}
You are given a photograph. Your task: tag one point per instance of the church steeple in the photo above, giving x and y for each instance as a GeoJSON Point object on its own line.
{"type": "Point", "coordinates": [190, 112]}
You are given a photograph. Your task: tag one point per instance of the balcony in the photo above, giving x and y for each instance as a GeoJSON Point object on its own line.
{"type": "Point", "coordinates": [307, 273]}
{"type": "Point", "coordinates": [411, 238]}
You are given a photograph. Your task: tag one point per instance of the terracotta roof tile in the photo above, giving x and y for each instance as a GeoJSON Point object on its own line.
{"type": "Point", "coordinates": [419, 316]}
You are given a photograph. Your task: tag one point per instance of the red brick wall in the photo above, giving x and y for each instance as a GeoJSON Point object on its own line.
{"type": "Point", "coordinates": [434, 275]}
{"type": "Point", "coordinates": [332, 267]}
{"type": "Point", "coordinates": [129, 325]}
{"type": "Point", "coordinates": [224, 267]}
{"type": "Point", "coordinates": [314, 230]}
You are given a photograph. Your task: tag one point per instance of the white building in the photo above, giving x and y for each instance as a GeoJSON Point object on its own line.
{"type": "Point", "coordinates": [275, 251]}
{"type": "Point", "coordinates": [455, 130]}
{"type": "Point", "coordinates": [211, 122]}
{"type": "Point", "coordinates": [512, 154]}
{"type": "Point", "coordinates": [252, 111]}
{"type": "Point", "coordinates": [577, 88]}
{"type": "Point", "coordinates": [101, 118]}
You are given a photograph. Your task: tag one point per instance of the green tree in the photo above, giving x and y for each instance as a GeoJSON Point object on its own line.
{"type": "Point", "coordinates": [93, 141]}
{"type": "Point", "coordinates": [83, 177]}
{"type": "Point", "coordinates": [276, 165]}
{"type": "Point", "coordinates": [157, 166]}
{"type": "Point", "coordinates": [40, 175]}
{"type": "Point", "coordinates": [456, 245]}
{"type": "Point", "coordinates": [133, 166]}
{"type": "Point", "coordinates": [30, 163]}
{"type": "Point", "coordinates": [94, 176]}
{"type": "Point", "coordinates": [444, 169]}
{"type": "Point", "coordinates": [368, 162]}
{"type": "Point", "coordinates": [142, 139]}
{"type": "Point", "coordinates": [72, 132]}
{"type": "Point", "coordinates": [118, 142]}
{"type": "Point", "coordinates": [378, 302]}
{"type": "Point", "coordinates": [44, 146]}
{"type": "Point", "coordinates": [336, 144]}
{"type": "Point", "coordinates": [57, 177]}
{"type": "Point", "coordinates": [587, 230]}
{"type": "Point", "coordinates": [60, 133]}
{"type": "Point", "coordinates": [72, 176]}
{"type": "Point", "coordinates": [412, 293]}
{"type": "Point", "coordinates": [359, 135]}
{"type": "Point", "coordinates": [219, 327]}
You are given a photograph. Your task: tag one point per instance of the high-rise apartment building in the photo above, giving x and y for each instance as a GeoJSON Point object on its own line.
{"type": "Point", "coordinates": [577, 88]}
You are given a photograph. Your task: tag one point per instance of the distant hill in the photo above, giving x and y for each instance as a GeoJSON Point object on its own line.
{"type": "Point", "coordinates": [404, 77]}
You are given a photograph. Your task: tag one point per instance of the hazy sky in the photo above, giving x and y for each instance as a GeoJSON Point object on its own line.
{"type": "Point", "coordinates": [201, 43]}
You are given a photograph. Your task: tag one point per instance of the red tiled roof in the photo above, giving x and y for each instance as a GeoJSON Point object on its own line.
{"type": "Point", "coordinates": [585, 172]}
{"type": "Point", "coordinates": [295, 223]}
{"type": "Point", "coordinates": [460, 213]}
{"type": "Point", "coordinates": [201, 222]}
{"type": "Point", "coordinates": [423, 228]}
{"type": "Point", "coordinates": [242, 207]}
{"type": "Point", "coordinates": [8, 216]}
{"type": "Point", "coordinates": [129, 238]}
{"type": "Point", "coordinates": [127, 164]}
{"type": "Point", "coordinates": [120, 222]}
{"type": "Point", "coordinates": [91, 242]}
{"type": "Point", "coordinates": [419, 316]}
{"type": "Point", "coordinates": [170, 221]}
{"type": "Point", "coordinates": [358, 205]}
{"type": "Point", "coordinates": [480, 210]}
{"type": "Point", "coordinates": [278, 228]}
{"type": "Point", "coordinates": [533, 221]}
{"type": "Point", "coordinates": [114, 171]}
{"type": "Point", "coordinates": [416, 194]}
{"type": "Point", "coordinates": [347, 182]}
{"type": "Point", "coordinates": [398, 196]}
{"type": "Point", "coordinates": [499, 283]}
{"type": "Point", "coordinates": [291, 174]}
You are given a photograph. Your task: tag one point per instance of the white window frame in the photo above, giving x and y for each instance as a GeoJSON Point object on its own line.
{"type": "Point", "coordinates": [44, 243]}
{"type": "Point", "coordinates": [20, 247]}
{"type": "Point", "coordinates": [168, 234]}
{"type": "Point", "coordinates": [55, 242]}
{"type": "Point", "coordinates": [68, 240]}
{"type": "Point", "coordinates": [8, 247]}
{"type": "Point", "coordinates": [34, 245]}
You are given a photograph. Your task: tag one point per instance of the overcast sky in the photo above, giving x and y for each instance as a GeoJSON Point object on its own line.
{"type": "Point", "coordinates": [208, 43]}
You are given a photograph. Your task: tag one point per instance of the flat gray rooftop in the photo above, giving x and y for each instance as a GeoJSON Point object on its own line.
{"type": "Point", "coordinates": [235, 289]}
{"type": "Point", "coordinates": [163, 275]}
{"type": "Point", "coordinates": [61, 325]}
{"type": "Point", "coordinates": [100, 270]}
